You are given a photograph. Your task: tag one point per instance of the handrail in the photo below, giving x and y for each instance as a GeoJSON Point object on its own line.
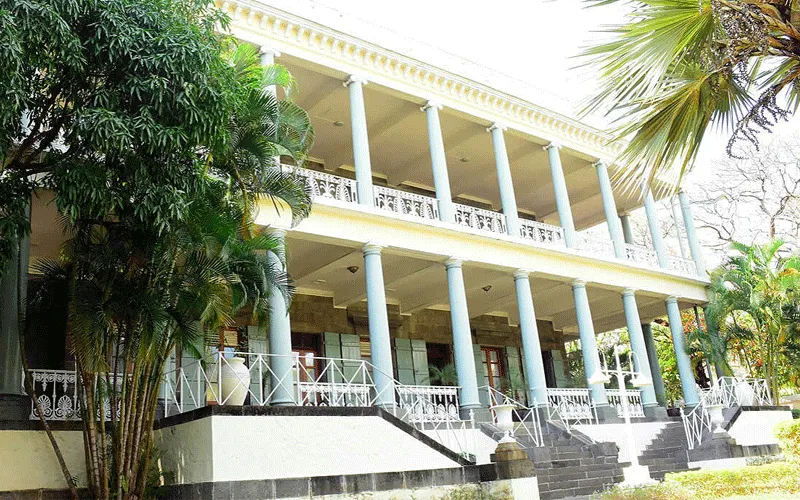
{"type": "Point", "coordinates": [570, 405]}
{"type": "Point", "coordinates": [402, 202]}
{"type": "Point", "coordinates": [524, 415]}
{"type": "Point", "coordinates": [479, 218]}
{"type": "Point", "coordinates": [541, 232]}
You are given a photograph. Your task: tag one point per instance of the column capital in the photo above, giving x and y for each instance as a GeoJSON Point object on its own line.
{"type": "Point", "coordinates": [372, 248]}
{"type": "Point", "coordinates": [600, 163]}
{"type": "Point", "coordinates": [496, 126]}
{"type": "Point", "coordinates": [522, 273]}
{"type": "Point", "coordinates": [672, 299]}
{"type": "Point", "coordinates": [624, 214]}
{"type": "Point", "coordinates": [431, 104]}
{"type": "Point", "coordinates": [355, 79]}
{"type": "Point", "coordinates": [265, 50]}
{"type": "Point", "coordinates": [629, 291]}
{"type": "Point", "coordinates": [552, 145]}
{"type": "Point", "coordinates": [578, 283]}
{"type": "Point", "coordinates": [453, 262]}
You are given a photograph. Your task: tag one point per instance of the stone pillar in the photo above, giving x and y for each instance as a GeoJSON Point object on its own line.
{"type": "Point", "coordinates": [462, 336]}
{"type": "Point", "coordinates": [358, 120]}
{"type": "Point", "coordinates": [280, 334]}
{"type": "Point", "coordinates": [718, 369]}
{"type": "Point", "coordinates": [676, 218]}
{"type": "Point", "coordinates": [627, 234]}
{"type": "Point", "coordinates": [655, 230]}
{"type": "Point", "coordinates": [379, 341]}
{"type": "Point", "coordinates": [268, 56]}
{"type": "Point", "coordinates": [684, 361]}
{"type": "Point", "coordinates": [441, 180]}
{"type": "Point", "coordinates": [638, 346]}
{"type": "Point", "coordinates": [655, 368]}
{"type": "Point", "coordinates": [610, 209]}
{"type": "Point", "coordinates": [562, 196]}
{"type": "Point", "coordinates": [507, 197]}
{"type": "Point", "coordinates": [591, 357]}
{"type": "Point", "coordinates": [691, 234]}
{"type": "Point", "coordinates": [534, 364]}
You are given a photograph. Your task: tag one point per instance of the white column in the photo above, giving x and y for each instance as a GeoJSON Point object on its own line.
{"type": "Point", "coordinates": [379, 341]}
{"type": "Point", "coordinates": [507, 197]}
{"type": "Point", "coordinates": [610, 209]}
{"type": "Point", "coordinates": [280, 332]}
{"type": "Point", "coordinates": [562, 196]}
{"type": "Point", "coordinates": [655, 230]}
{"type": "Point", "coordinates": [358, 119]}
{"type": "Point", "coordinates": [676, 218]}
{"type": "Point", "coordinates": [462, 336]}
{"type": "Point", "coordinates": [441, 180]}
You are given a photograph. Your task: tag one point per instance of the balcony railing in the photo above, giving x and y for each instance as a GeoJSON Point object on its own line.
{"type": "Point", "coordinates": [324, 185]}
{"type": "Point", "coordinates": [641, 255]}
{"type": "Point", "coordinates": [541, 233]}
{"type": "Point", "coordinates": [634, 402]}
{"type": "Point", "coordinates": [405, 203]}
{"type": "Point", "coordinates": [478, 218]}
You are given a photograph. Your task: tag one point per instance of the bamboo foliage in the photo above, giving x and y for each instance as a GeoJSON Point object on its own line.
{"type": "Point", "coordinates": [678, 67]}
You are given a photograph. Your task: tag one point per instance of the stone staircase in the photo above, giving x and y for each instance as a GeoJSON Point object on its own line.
{"type": "Point", "coordinates": [569, 465]}
{"type": "Point", "coordinates": [667, 452]}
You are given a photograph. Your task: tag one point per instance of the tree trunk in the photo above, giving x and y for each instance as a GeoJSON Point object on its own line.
{"type": "Point", "coordinates": [21, 303]}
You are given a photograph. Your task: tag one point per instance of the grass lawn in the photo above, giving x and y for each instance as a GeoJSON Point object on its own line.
{"type": "Point", "coordinates": [775, 481]}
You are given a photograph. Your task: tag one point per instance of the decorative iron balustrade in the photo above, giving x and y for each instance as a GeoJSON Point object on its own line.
{"type": "Point", "coordinates": [682, 265]}
{"type": "Point", "coordinates": [696, 424]}
{"type": "Point", "coordinates": [57, 395]}
{"type": "Point", "coordinates": [541, 233]}
{"type": "Point", "coordinates": [738, 391]}
{"type": "Point", "coordinates": [526, 420]}
{"type": "Point", "coordinates": [405, 203]}
{"type": "Point", "coordinates": [478, 218]}
{"type": "Point", "coordinates": [424, 403]}
{"type": "Point", "coordinates": [635, 408]}
{"type": "Point", "coordinates": [594, 245]}
{"type": "Point", "coordinates": [641, 255]}
{"type": "Point", "coordinates": [572, 405]}
{"type": "Point", "coordinates": [325, 185]}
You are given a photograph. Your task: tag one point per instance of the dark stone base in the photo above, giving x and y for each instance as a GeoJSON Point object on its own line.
{"type": "Point", "coordinates": [656, 414]}
{"type": "Point", "coordinates": [608, 415]}
{"type": "Point", "coordinates": [15, 407]}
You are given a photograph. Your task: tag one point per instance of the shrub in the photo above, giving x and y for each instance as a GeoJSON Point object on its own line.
{"type": "Point", "coordinates": [788, 434]}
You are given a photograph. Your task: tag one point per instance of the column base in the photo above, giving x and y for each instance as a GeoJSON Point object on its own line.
{"type": "Point", "coordinates": [607, 414]}
{"type": "Point", "coordinates": [480, 413]}
{"type": "Point", "coordinates": [15, 407]}
{"type": "Point", "coordinates": [655, 413]}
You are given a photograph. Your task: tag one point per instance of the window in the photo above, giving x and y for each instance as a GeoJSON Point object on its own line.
{"type": "Point", "coordinates": [307, 364]}
{"type": "Point", "coordinates": [493, 366]}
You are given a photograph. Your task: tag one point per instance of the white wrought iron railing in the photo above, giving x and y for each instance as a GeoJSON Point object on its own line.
{"type": "Point", "coordinates": [325, 185]}
{"type": "Point", "coordinates": [57, 394]}
{"type": "Point", "coordinates": [696, 424]}
{"type": "Point", "coordinates": [682, 265]}
{"type": "Point", "coordinates": [541, 233]}
{"type": "Point", "coordinates": [405, 203]}
{"type": "Point", "coordinates": [571, 406]}
{"type": "Point", "coordinates": [595, 245]}
{"type": "Point", "coordinates": [634, 402]}
{"type": "Point", "coordinates": [456, 434]}
{"type": "Point", "coordinates": [738, 391]}
{"type": "Point", "coordinates": [423, 403]}
{"type": "Point", "coordinates": [478, 218]}
{"type": "Point", "coordinates": [641, 255]}
{"type": "Point", "coordinates": [526, 420]}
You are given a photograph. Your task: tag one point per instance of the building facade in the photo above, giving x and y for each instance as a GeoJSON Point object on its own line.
{"type": "Point", "coordinates": [447, 245]}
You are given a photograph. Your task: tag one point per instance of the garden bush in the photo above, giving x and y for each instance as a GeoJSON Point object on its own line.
{"type": "Point", "coordinates": [788, 434]}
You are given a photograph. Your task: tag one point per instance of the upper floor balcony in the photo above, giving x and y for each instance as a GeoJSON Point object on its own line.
{"type": "Point", "coordinates": [420, 207]}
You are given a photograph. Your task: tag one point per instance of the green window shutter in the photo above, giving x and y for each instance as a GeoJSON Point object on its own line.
{"type": "Point", "coordinates": [558, 368]}
{"type": "Point", "coordinates": [514, 375]}
{"type": "Point", "coordinates": [351, 354]}
{"type": "Point", "coordinates": [420, 353]}
{"type": "Point", "coordinates": [482, 371]}
{"type": "Point", "coordinates": [405, 361]}
{"type": "Point", "coordinates": [333, 349]}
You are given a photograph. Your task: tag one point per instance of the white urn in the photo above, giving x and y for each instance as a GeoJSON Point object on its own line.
{"type": "Point", "coordinates": [505, 420]}
{"type": "Point", "coordinates": [745, 394]}
{"type": "Point", "coordinates": [717, 418]}
{"type": "Point", "coordinates": [235, 381]}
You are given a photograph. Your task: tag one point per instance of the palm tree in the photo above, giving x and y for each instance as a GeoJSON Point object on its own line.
{"type": "Point", "coordinates": [753, 297]}
{"type": "Point", "coordinates": [136, 292]}
{"type": "Point", "coordinates": [679, 66]}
